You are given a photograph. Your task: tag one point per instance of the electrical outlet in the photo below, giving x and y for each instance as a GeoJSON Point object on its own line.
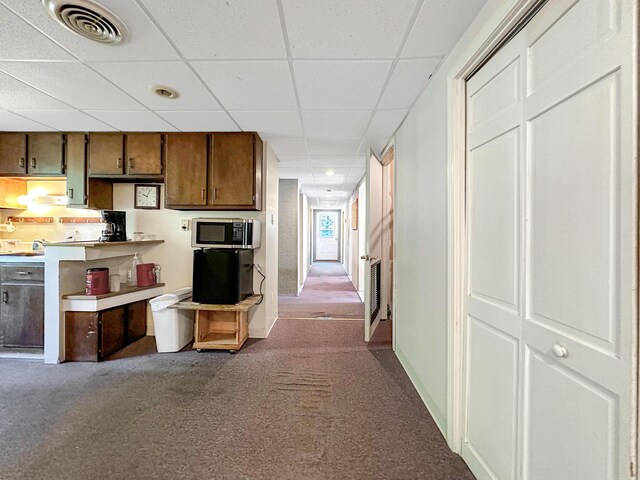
{"type": "Point", "coordinates": [184, 225]}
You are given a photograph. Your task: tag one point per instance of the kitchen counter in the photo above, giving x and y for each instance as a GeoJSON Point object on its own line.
{"type": "Point", "coordinates": [21, 257]}
{"type": "Point", "coordinates": [92, 244]}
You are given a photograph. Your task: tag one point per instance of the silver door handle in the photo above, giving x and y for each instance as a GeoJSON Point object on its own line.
{"type": "Point", "coordinates": [373, 259]}
{"type": "Point", "coordinates": [560, 351]}
{"type": "Point", "coordinates": [365, 257]}
{"type": "Point", "coordinates": [33, 162]}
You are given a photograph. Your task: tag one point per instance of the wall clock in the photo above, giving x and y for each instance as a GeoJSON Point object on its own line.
{"type": "Point", "coordinates": [146, 196]}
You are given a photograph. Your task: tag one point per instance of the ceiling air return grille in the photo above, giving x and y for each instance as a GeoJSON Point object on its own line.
{"type": "Point", "coordinates": [87, 19]}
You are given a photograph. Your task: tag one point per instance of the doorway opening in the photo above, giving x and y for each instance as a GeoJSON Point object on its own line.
{"type": "Point", "coordinates": [327, 235]}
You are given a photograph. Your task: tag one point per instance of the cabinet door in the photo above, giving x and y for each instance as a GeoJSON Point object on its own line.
{"type": "Point", "coordinates": [112, 324]}
{"type": "Point", "coordinates": [136, 321]}
{"type": "Point", "coordinates": [81, 336]}
{"type": "Point", "coordinates": [22, 315]}
{"type": "Point", "coordinates": [45, 154]}
{"type": "Point", "coordinates": [106, 154]}
{"type": "Point", "coordinates": [144, 154]}
{"type": "Point", "coordinates": [233, 170]}
{"type": "Point", "coordinates": [13, 153]}
{"type": "Point", "coordinates": [186, 178]}
{"type": "Point", "coordinates": [76, 170]}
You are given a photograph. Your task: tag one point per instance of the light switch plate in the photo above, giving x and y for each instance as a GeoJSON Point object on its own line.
{"type": "Point", "coordinates": [184, 225]}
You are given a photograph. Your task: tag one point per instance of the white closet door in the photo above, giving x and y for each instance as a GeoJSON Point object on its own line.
{"type": "Point", "coordinates": [552, 236]}
{"type": "Point", "coordinates": [495, 232]}
{"type": "Point", "coordinates": [581, 265]}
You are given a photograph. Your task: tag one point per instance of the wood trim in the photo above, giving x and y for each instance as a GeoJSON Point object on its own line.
{"type": "Point", "coordinates": [31, 219]}
{"type": "Point", "coordinates": [79, 220]}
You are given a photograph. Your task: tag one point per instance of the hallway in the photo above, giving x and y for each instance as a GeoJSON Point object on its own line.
{"type": "Point", "coordinates": [327, 293]}
{"type": "Point", "coordinates": [312, 401]}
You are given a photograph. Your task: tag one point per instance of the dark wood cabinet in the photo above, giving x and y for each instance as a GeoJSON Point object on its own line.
{"type": "Point", "coordinates": [13, 154]}
{"type": "Point", "coordinates": [92, 336]}
{"type": "Point", "coordinates": [22, 305]}
{"type": "Point", "coordinates": [106, 154]}
{"type": "Point", "coordinates": [144, 154]}
{"type": "Point", "coordinates": [45, 154]}
{"type": "Point", "coordinates": [187, 157]}
{"type": "Point", "coordinates": [223, 173]}
{"type": "Point", "coordinates": [84, 192]}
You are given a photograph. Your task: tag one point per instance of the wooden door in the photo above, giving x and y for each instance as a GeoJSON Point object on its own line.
{"type": "Point", "coordinates": [13, 154]}
{"type": "Point", "coordinates": [233, 171]}
{"type": "Point", "coordinates": [144, 154]}
{"type": "Point", "coordinates": [22, 315]}
{"type": "Point", "coordinates": [76, 161]}
{"type": "Point", "coordinates": [45, 154]}
{"type": "Point", "coordinates": [113, 324]}
{"type": "Point", "coordinates": [495, 225]}
{"type": "Point", "coordinates": [186, 178]}
{"type": "Point", "coordinates": [106, 151]}
{"type": "Point", "coordinates": [372, 246]}
{"type": "Point", "coordinates": [136, 320]}
{"type": "Point", "coordinates": [551, 321]}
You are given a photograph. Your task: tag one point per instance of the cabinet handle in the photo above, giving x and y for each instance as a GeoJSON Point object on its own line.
{"type": "Point", "coordinates": [119, 162]}
{"type": "Point", "coordinates": [33, 162]}
{"type": "Point", "coordinates": [215, 193]}
{"type": "Point", "coordinates": [5, 297]}
{"type": "Point", "coordinates": [70, 194]}
{"type": "Point", "coordinates": [560, 351]}
{"type": "Point", "coordinates": [203, 194]}
{"type": "Point", "coordinates": [21, 163]}
{"type": "Point", "coordinates": [22, 272]}
{"type": "Point", "coordinates": [131, 165]}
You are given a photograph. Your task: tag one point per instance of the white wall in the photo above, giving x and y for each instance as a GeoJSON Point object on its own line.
{"type": "Point", "coordinates": [305, 241]}
{"type": "Point", "coordinates": [421, 232]}
{"type": "Point", "coordinates": [289, 235]}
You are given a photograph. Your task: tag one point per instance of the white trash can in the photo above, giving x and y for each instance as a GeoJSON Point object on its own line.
{"type": "Point", "coordinates": [173, 328]}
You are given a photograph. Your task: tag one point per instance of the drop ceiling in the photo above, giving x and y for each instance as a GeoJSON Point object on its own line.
{"type": "Point", "coordinates": [320, 80]}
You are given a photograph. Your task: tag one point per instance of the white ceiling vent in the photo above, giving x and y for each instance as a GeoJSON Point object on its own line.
{"type": "Point", "coordinates": [87, 19]}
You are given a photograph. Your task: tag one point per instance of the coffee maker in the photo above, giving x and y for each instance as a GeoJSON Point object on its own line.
{"type": "Point", "coordinates": [115, 226]}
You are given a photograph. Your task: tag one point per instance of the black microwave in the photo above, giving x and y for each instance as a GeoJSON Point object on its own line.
{"type": "Point", "coordinates": [225, 233]}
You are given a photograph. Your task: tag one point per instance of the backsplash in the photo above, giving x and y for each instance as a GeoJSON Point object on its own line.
{"type": "Point", "coordinates": [55, 231]}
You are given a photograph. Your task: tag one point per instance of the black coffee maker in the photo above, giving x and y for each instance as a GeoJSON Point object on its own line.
{"type": "Point", "coordinates": [115, 226]}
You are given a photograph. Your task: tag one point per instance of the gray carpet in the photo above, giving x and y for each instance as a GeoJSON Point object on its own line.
{"type": "Point", "coordinates": [310, 402]}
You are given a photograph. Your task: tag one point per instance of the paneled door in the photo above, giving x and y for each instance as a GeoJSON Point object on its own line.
{"type": "Point", "coordinates": [327, 235]}
{"type": "Point", "coordinates": [552, 233]}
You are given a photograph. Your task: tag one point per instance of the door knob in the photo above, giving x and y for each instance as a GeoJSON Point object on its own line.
{"type": "Point", "coordinates": [365, 257]}
{"type": "Point", "coordinates": [560, 351]}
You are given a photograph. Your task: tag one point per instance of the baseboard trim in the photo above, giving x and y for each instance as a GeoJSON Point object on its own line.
{"type": "Point", "coordinates": [264, 331]}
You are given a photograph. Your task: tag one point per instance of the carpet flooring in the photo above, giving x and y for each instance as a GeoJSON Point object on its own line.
{"type": "Point", "coordinates": [312, 401]}
{"type": "Point", "coordinates": [327, 293]}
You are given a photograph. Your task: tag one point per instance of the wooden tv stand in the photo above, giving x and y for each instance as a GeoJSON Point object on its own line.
{"type": "Point", "coordinates": [220, 327]}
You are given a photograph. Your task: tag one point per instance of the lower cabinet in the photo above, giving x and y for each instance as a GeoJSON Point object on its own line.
{"type": "Point", "coordinates": [22, 305]}
{"type": "Point", "coordinates": [92, 336]}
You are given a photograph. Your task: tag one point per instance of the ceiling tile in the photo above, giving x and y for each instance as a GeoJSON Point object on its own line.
{"type": "Point", "coordinates": [331, 161]}
{"type": "Point", "coordinates": [292, 158]}
{"type": "Point", "coordinates": [385, 123]}
{"type": "Point", "coordinates": [408, 80]}
{"type": "Point", "coordinates": [138, 78]}
{"type": "Point", "coordinates": [10, 122]}
{"type": "Point", "coordinates": [289, 146]}
{"type": "Point", "coordinates": [439, 25]}
{"type": "Point", "coordinates": [337, 172]}
{"type": "Point", "coordinates": [66, 120]}
{"type": "Point", "coordinates": [200, 121]}
{"type": "Point", "coordinates": [144, 42]}
{"type": "Point", "coordinates": [302, 165]}
{"type": "Point", "coordinates": [353, 29]}
{"type": "Point", "coordinates": [20, 41]}
{"type": "Point", "coordinates": [250, 85]}
{"type": "Point", "coordinates": [15, 95]}
{"type": "Point", "coordinates": [72, 83]}
{"type": "Point", "coordinates": [269, 124]}
{"type": "Point", "coordinates": [333, 146]}
{"type": "Point", "coordinates": [376, 144]}
{"type": "Point", "coordinates": [221, 29]}
{"type": "Point", "coordinates": [336, 123]}
{"type": "Point", "coordinates": [340, 85]}
{"type": "Point", "coordinates": [133, 121]}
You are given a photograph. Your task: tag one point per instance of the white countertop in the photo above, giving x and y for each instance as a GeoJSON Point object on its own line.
{"type": "Point", "coordinates": [22, 258]}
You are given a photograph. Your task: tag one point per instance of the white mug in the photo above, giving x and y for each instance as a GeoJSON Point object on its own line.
{"type": "Point", "coordinates": [114, 283]}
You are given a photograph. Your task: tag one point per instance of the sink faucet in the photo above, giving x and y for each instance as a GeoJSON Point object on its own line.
{"type": "Point", "coordinates": [38, 244]}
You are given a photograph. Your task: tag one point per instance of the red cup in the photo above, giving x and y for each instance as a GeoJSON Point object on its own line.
{"type": "Point", "coordinates": [146, 274]}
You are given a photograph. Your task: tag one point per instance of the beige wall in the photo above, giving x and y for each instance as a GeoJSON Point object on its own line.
{"type": "Point", "coordinates": [289, 235]}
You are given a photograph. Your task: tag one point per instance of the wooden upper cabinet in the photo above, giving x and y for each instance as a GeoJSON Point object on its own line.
{"type": "Point", "coordinates": [46, 152]}
{"type": "Point", "coordinates": [84, 192]}
{"type": "Point", "coordinates": [235, 174]}
{"type": "Point", "coordinates": [106, 153]}
{"type": "Point", "coordinates": [186, 163]}
{"type": "Point", "coordinates": [13, 154]}
{"type": "Point", "coordinates": [144, 154]}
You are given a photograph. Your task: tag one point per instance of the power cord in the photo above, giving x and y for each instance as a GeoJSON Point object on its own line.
{"type": "Point", "coordinates": [259, 270]}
